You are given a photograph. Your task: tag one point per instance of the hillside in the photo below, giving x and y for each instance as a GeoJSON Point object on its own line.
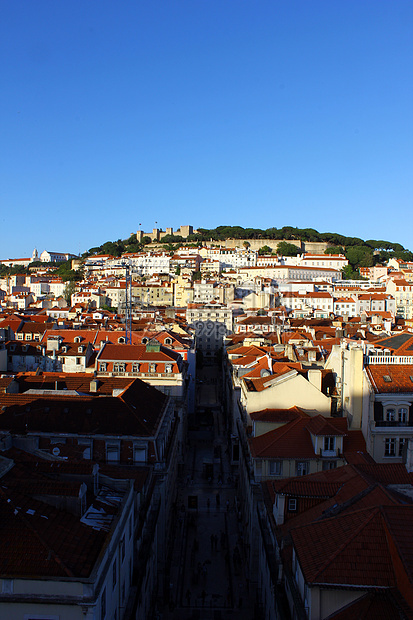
{"type": "Point", "coordinates": [359, 252]}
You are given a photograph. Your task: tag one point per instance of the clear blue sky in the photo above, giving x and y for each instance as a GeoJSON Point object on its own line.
{"type": "Point", "coordinates": [203, 112]}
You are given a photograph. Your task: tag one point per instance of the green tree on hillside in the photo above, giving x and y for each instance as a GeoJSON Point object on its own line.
{"type": "Point", "coordinates": [264, 250]}
{"type": "Point", "coordinates": [287, 249]}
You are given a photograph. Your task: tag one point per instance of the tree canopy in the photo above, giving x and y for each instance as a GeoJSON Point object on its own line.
{"type": "Point", "coordinates": [359, 253]}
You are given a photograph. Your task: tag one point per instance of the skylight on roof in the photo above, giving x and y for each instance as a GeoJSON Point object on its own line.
{"type": "Point", "coordinates": [387, 378]}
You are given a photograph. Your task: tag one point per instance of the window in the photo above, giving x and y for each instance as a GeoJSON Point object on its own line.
{"type": "Point", "coordinates": [276, 468]}
{"type": "Point", "coordinates": [78, 361]}
{"type": "Point", "coordinates": [168, 368]}
{"type": "Point", "coordinates": [402, 443]}
{"type": "Point", "coordinates": [390, 415]}
{"type": "Point", "coordinates": [135, 367]}
{"type": "Point", "coordinates": [139, 454]}
{"type": "Point", "coordinates": [8, 585]}
{"type": "Point", "coordinates": [390, 446]}
{"type": "Point", "coordinates": [329, 443]}
{"type": "Point", "coordinates": [329, 465]}
{"type": "Point", "coordinates": [103, 366]}
{"type": "Point", "coordinates": [118, 367]}
{"type": "Point", "coordinates": [112, 453]}
{"type": "Point", "coordinates": [302, 468]}
{"type": "Point", "coordinates": [292, 505]}
{"type": "Point", "coordinates": [403, 414]}
{"type": "Point", "coordinates": [152, 367]}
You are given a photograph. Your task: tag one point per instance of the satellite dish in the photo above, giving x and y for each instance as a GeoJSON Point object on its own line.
{"type": "Point", "coordinates": [56, 451]}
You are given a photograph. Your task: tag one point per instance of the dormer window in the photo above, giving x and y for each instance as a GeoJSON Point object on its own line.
{"type": "Point", "coordinates": [292, 505]}
{"type": "Point", "coordinates": [135, 367]}
{"type": "Point", "coordinates": [145, 340]}
{"type": "Point", "coordinates": [103, 366]}
{"type": "Point", "coordinates": [119, 367]}
{"type": "Point", "coordinates": [168, 340]}
{"type": "Point", "coordinates": [77, 339]}
{"type": "Point", "coordinates": [121, 340]}
{"type": "Point", "coordinates": [329, 443]}
{"type": "Point", "coordinates": [80, 349]}
{"type": "Point", "coordinates": [168, 368]}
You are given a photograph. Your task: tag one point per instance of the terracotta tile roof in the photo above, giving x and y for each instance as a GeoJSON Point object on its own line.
{"type": "Point", "coordinates": [391, 378]}
{"type": "Point", "coordinates": [385, 473]}
{"type": "Point", "coordinates": [289, 441]}
{"type": "Point", "coordinates": [69, 335]}
{"type": "Point", "coordinates": [39, 540]}
{"type": "Point", "coordinates": [278, 415]}
{"type": "Point", "coordinates": [278, 369]}
{"type": "Point", "coordinates": [287, 336]}
{"type": "Point", "coordinates": [351, 549]}
{"type": "Point", "coordinates": [319, 425]}
{"type": "Point", "coordinates": [137, 411]}
{"type": "Point", "coordinates": [136, 352]}
{"type": "Point", "coordinates": [354, 491]}
{"type": "Point", "coordinates": [293, 440]}
{"type": "Point", "coordinates": [302, 487]}
{"type": "Point", "coordinates": [376, 605]}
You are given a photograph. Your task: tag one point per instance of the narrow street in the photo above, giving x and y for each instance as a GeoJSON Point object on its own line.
{"type": "Point", "coordinates": [207, 569]}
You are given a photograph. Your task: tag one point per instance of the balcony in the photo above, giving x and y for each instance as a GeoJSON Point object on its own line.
{"type": "Point", "coordinates": [392, 424]}
{"type": "Point", "coordinates": [328, 453]}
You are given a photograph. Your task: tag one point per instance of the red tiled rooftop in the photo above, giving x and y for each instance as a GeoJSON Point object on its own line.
{"type": "Point", "coordinates": [347, 550]}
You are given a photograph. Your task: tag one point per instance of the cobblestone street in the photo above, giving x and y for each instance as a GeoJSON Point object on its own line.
{"type": "Point", "coordinates": [207, 574]}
